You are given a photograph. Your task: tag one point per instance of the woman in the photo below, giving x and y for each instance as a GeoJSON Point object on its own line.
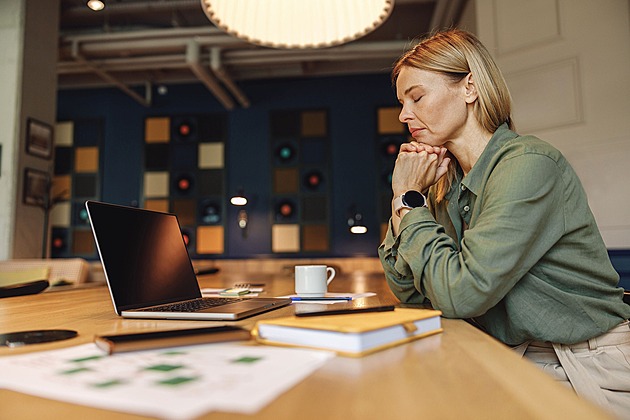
{"type": "Point", "coordinates": [504, 237]}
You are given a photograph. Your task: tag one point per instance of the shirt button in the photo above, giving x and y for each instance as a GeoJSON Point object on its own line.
{"type": "Point", "coordinates": [466, 208]}
{"type": "Point", "coordinates": [463, 187]}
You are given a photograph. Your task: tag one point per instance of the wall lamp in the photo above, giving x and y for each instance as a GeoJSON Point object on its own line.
{"type": "Point", "coordinates": [240, 200]}
{"type": "Point", "coordinates": [355, 221]}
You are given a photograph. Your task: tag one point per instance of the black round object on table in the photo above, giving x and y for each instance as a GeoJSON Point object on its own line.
{"type": "Point", "coordinates": [23, 338]}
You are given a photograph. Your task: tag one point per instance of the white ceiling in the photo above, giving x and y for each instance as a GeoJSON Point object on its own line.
{"type": "Point", "coordinates": [152, 42]}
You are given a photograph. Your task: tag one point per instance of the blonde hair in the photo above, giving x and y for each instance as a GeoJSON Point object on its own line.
{"type": "Point", "coordinates": [455, 54]}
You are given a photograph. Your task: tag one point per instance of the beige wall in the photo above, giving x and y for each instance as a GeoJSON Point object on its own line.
{"type": "Point", "coordinates": [566, 64]}
{"type": "Point", "coordinates": [11, 21]}
{"type": "Point", "coordinates": [28, 84]}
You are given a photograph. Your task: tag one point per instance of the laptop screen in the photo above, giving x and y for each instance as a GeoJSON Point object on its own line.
{"type": "Point", "coordinates": [143, 254]}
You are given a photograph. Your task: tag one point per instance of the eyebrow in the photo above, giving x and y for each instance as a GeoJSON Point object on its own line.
{"type": "Point", "coordinates": [409, 89]}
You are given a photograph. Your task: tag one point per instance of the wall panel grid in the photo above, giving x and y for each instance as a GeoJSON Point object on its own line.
{"type": "Point", "coordinates": [513, 26]}
{"type": "Point", "coordinates": [547, 96]}
{"type": "Point", "coordinates": [77, 178]}
{"type": "Point", "coordinates": [184, 173]}
{"type": "Point", "coordinates": [301, 181]}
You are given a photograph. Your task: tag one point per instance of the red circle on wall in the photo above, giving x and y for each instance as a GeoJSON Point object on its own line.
{"type": "Point", "coordinates": [286, 209]}
{"type": "Point", "coordinates": [183, 184]}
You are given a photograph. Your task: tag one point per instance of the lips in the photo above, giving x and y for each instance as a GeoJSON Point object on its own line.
{"type": "Point", "coordinates": [415, 131]}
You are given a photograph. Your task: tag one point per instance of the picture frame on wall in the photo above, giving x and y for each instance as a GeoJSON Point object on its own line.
{"type": "Point", "coordinates": [39, 138]}
{"type": "Point", "coordinates": [36, 184]}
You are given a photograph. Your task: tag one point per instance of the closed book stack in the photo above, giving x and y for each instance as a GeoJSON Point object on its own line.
{"type": "Point", "coordinates": [352, 335]}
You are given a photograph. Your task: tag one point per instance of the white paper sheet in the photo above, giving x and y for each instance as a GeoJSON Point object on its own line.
{"type": "Point", "coordinates": [177, 383]}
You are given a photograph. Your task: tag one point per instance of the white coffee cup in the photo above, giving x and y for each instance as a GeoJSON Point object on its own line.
{"type": "Point", "coordinates": [313, 280]}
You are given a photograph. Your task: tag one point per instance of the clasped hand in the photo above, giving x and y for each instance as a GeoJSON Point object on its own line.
{"type": "Point", "coordinates": [418, 166]}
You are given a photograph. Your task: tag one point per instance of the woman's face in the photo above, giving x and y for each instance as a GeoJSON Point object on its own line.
{"type": "Point", "coordinates": [433, 106]}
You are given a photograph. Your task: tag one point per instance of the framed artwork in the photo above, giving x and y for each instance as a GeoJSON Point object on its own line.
{"type": "Point", "coordinates": [36, 185]}
{"type": "Point", "coordinates": [39, 138]}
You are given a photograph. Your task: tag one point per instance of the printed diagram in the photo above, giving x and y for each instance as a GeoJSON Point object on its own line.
{"type": "Point", "coordinates": [177, 383]}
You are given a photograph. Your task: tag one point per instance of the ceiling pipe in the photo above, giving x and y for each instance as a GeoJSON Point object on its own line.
{"type": "Point", "coordinates": [219, 71]}
{"type": "Point", "coordinates": [110, 79]}
{"type": "Point", "coordinates": [192, 59]}
{"type": "Point", "coordinates": [245, 57]}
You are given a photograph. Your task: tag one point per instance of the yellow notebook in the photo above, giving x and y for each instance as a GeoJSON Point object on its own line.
{"type": "Point", "coordinates": [350, 334]}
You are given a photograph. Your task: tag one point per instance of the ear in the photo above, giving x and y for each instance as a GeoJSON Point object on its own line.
{"type": "Point", "coordinates": [470, 89]}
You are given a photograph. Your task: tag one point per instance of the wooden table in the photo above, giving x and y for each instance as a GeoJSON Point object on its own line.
{"type": "Point", "coordinates": [461, 373]}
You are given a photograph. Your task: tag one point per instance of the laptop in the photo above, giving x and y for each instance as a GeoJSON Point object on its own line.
{"type": "Point", "coordinates": [149, 272]}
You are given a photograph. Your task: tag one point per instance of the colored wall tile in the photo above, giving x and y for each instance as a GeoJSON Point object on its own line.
{"type": "Point", "coordinates": [314, 124]}
{"type": "Point", "coordinates": [212, 128]}
{"type": "Point", "coordinates": [210, 240]}
{"type": "Point", "coordinates": [82, 242]}
{"type": "Point", "coordinates": [387, 120]}
{"type": "Point", "coordinates": [184, 129]}
{"type": "Point", "coordinates": [64, 133]}
{"type": "Point", "coordinates": [79, 214]}
{"type": "Point", "coordinates": [63, 160]}
{"type": "Point", "coordinates": [183, 184]}
{"type": "Point", "coordinates": [285, 180]}
{"type": "Point", "coordinates": [285, 124]}
{"type": "Point", "coordinates": [156, 156]}
{"type": "Point", "coordinates": [185, 211]}
{"type": "Point", "coordinates": [210, 212]}
{"type": "Point", "coordinates": [60, 215]}
{"type": "Point", "coordinates": [210, 182]}
{"type": "Point", "coordinates": [62, 187]}
{"type": "Point", "coordinates": [86, 159]}
{"type": "Point", "coordinates": [315, 238]}
{"type": "Point", "coordinates": [210, 156]}
{"type": "Point", "coordinates": [58, 241]}
{"type": "Point", "coordinates": [285, 238]}
{"type": "Point", "coordinates": [184, 156]}
{"type": "Point", "coordinates": [156, 184]}
{"type": "Point", "coordinates": [157, 205]}
{"type": "Point", "coordinates": [314, 209]}
{"type": "Point", "coordinates": [85, 186]}
{"type": "Point", "coordinates": [157, 130]}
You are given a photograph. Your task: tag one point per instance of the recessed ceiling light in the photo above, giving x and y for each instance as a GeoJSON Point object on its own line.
{"type": "Point", "coordinates": [96, 5]}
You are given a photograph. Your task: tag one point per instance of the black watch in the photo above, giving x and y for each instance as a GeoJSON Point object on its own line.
{"type": "Point", "coordinates": [409, 200]}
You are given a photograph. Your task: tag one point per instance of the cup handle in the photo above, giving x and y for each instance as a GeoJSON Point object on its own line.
{"type": "Point", "coordinates": [331, 275]}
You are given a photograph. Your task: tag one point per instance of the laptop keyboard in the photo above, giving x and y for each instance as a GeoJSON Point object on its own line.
{"type": "Point", "coordinates": [192, 305]}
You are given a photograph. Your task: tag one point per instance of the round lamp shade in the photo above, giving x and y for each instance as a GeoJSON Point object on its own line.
{"type": "Point", "coordinates": [298, 23]}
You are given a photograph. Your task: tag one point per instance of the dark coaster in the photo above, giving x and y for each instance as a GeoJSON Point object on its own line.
{"type": "Point", "coordinates": [23, 338]}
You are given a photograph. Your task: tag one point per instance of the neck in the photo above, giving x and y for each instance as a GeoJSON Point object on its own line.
{"type": "Point", "coordinates": [469, 145]}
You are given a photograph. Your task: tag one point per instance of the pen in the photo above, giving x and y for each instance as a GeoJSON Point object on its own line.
{"type": "Point", "coordinates": [297, 298]}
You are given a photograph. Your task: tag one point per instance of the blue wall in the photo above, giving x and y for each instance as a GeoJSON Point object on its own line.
{"type": "Point", "coordinates": [351, 102]}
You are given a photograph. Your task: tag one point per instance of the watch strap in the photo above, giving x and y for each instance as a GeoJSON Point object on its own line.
{"type": "Point", "coordinates": [399, 205]}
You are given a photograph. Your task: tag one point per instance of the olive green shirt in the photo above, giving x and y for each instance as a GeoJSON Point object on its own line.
{"type": "Point", "coordinates": [513, 245]}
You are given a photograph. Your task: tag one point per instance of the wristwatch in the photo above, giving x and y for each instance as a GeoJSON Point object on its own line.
{"type": "Point", "coordinates": [409, 200]}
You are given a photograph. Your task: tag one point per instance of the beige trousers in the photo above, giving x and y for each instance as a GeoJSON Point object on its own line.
{"type": "Point", "coordinates": [597, 369]}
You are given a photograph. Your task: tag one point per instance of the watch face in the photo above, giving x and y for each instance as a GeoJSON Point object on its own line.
{"type": "Point", "coordinates": [413, 199]}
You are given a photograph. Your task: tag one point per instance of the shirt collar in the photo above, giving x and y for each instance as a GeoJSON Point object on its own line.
{"type": "Point", "coordinates": [474, 179]}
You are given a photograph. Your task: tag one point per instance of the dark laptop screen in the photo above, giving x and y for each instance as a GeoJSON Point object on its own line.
{"type": "Point", "coordinates": [143, 254]}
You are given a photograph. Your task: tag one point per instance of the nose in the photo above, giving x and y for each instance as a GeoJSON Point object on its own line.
{"type": "Point", "coordinates": [404, 116]}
